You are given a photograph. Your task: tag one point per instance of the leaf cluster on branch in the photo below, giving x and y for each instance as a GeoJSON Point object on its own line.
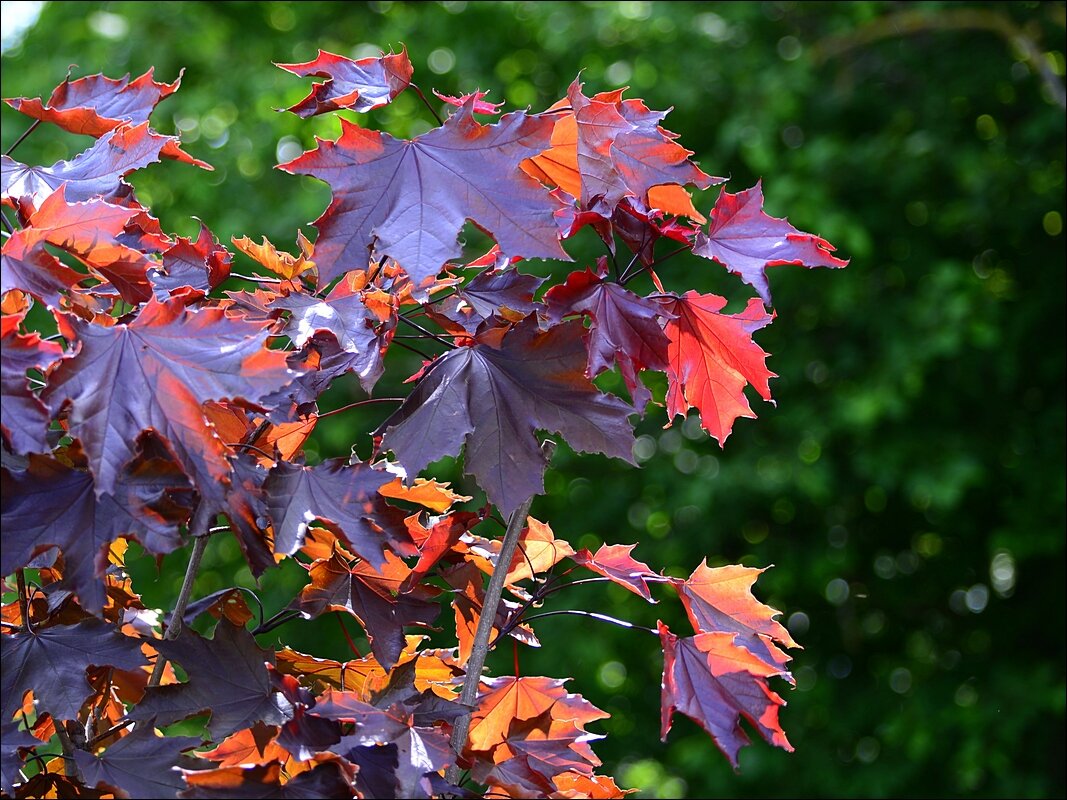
{"type": "Point", "coordinates": [173, 400]}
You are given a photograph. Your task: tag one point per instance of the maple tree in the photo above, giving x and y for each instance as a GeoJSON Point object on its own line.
{"type": "Point", "coordinates": [172, 402]}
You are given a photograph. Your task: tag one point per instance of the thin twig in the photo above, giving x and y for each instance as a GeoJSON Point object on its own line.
{"type": "Point", "coordinates": [22, 138]}
{"type": "Point", "coordinates": [7, 223]}
{"type": "Point", "coordinates": [493, 592]}
{"type": "Point", "coordinates": [602, 617]}
{"type": "Point", "coordinates": [422, 97]}
{"type": "Point", "coordinates": [431, 334]}
{"type": "Point", "coordinates": [655, 263]}
{"type": "Point", "coordinates": [70, 769]}
{"type": "Point", "coordinates": [177, 617]}
{"type": "Point", "coordinates": [360, 403]}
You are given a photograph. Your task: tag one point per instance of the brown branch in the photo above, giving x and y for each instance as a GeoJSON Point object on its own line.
{"type": "Point", "coordinates": [906, 23]}
{"type": "Point", "coordinates": [493, 592]}
{"type": "Point", "coordinates": [178, 616]}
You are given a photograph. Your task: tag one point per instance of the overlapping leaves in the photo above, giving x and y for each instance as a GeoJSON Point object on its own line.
{"type": "Point", "coordinates": [170, 408]}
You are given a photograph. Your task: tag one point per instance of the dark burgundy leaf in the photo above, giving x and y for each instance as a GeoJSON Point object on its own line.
{"type": "Point", "coordinates": [51, 504]}
{"type": "Point", "coordinates": [377, 768]}
{"type": "Point", "coordinates": [714, 682]}
{"type": "Point", "coordinates": [626, 329]}
{"type": "Point", "coordinates": [746, 241]}
{"type": "Point", "coordinates": [227, 677]}
{"type": "Point", "coordinates": [408, 200]}
{"type": "Point", "coordinates": [12, 739]}
{"type": "Point", "coordinates": [202, 265]}
{"type": "Point", "coordinates": [359, 85]}
{"type": "Point", "coordinates": [155, 373]}
{"type": "Point", "coordinates": [326, 781]}
{"type": "Point", "coordinates": [344, 498]}
{"type": "Point", "coordinates": [615, 562]}
{"type": "Point", "coordinates": [141, 764]}
{"type": "Point", "coordinates": [494, 396]}
{"type": "Point", "coordinates": [98, 172]}
{"type": "Point", "coordinates": [344, 315]}
{"type": "Point", "coordinates": [52, 662]}
{"type": "Point", "coordinates": [508, 294]}
{"type": "Point", "coordinates": [25, 419]}
{"type": "Point", "coordinates": [370, 596]}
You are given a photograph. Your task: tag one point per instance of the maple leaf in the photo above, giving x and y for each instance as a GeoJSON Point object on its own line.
{"type": "Point", "coordinates": [50, 504]}
{"type": "Point", "coordinates": [306, 734]}
{"type": "Point", "coordinates": [361, 85]}
{"type": "Point", "coordinates": [344, 314]}
{"type": "Point", "coordinates": [606, 148]}
{"type": "Point", "coordinates": [408, 200]}
{"type": "Point", "coordinates": [282, 264]}
{"type": "Point", "coordinates": [588, 787]}
{"type": "Point", "coordinates": [25, 419]}
{"type": "Point", "coordinates": [712, 357]}
{"type": "Point", "coordinates": [468, 602]}
{"type": "Point", "coordinates": [155, 373]}
{"type": "Point", "coordinates": [746, 241]}
{"type": "Point", "coordinates": [88, 231]}
{"type": "Point", "coordinates": [615, 562]}
{"type": "Point", "coordinates": [200, 265]}
{"type": "Point", "coordinates": [12, 739]}
{"type": "Point", "coordinates": [255, 745]}
{"type": "Point", "coordinates": [325, 781]}
{"type": "Point", "coordinates": [371, 596]}
{"type": "Point", "coordinates": [426, 492]}
{"type": "Point", "coordinates": [507, 699]}
{"type": "Point", "coordinates": [97, 172]}
{"type": "Point", "coordinates": [25, 265]}
{"type": "Point", "coordinates": [508, 294]}
{"type": "Point", "coordinates": [538, 551]}
{"type": "Point", "coordinates": [141, 764]}
{"type": "Point", "coordinates": [52, 662]}
{"type": "Point", "coordinates": [442, 536]}
{"type": "Point", "coordinates": [341, 496]}
{"type": "Point", "coordinates": [94, 105]}
{"type": "Point", "coordinates": [626, 329]}
{"type": "Point", "coordinates": [493, 397]}
{"type": "Point", "coordinates": [714, 682]}
{"type": "Point", "coordinates": [481, 105]}
{"type": "Point", "coordinates": [227, 677]}
{"type": "Point", "coordinates": [720, 600]}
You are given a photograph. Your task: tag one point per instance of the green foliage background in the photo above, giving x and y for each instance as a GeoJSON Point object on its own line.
{"type": "Point", "coordinates": [909, 485]}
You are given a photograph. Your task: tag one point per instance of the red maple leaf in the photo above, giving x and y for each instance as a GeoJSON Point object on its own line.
{"type": "Point", "coordinates": [712, 357]}
{"type": "Point", "coordinates": [746, 241]}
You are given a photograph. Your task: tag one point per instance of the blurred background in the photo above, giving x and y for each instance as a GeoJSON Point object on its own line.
{"type": "Point", "coordinates": [909, 485]}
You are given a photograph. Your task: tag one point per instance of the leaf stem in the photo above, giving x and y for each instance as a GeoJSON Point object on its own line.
{"type": "Point", "coordinates": [7, 223]}
{"type": "Point", "coordinates": [602, 617]}
{"type": "Point", "coordinates": [22, 138]}
{"type": "Point", "coordinates": [655, 263]}
{"type": "Point", "coordinates": [493, 592]}
{"type": "Point", "coordinates": [279, 619]}
{"type": "Point", "coordinates": [360, 403]}
{"type": "Point", "coordinates": [425, 331]}
{"type": "Point", "coordinates": [427, 103]}
{"type": "Point", "coordinates": [177, 617]}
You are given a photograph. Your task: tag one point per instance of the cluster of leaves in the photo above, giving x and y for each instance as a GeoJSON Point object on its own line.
{"type": "Point", "coordinates": [169, 406]}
